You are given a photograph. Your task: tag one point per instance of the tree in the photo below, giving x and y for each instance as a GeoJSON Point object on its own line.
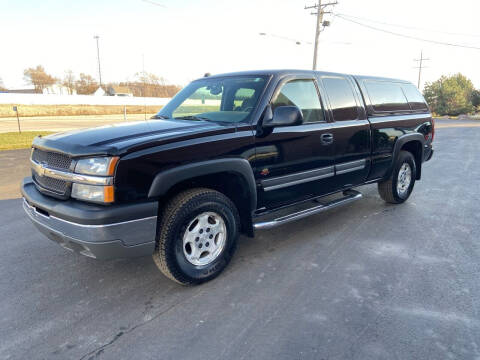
{"type": "Point", "coordinates": [2, 86]}
{"type": "Point", "coordinates": [476, 98]}
{"type": "Point", "coordinates": [69, 81]}
{"type": "Point", "coordinates": [38, 78]}
{"type": "Point", "coordinates": [450, 95]}
{"type": "Point", "coordinates": [151, 85]}
{"type": "Point", "coordinates": [86, 85]}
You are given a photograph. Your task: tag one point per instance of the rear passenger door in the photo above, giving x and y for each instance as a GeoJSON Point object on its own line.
{"type": "Point", "coordinates": [350, 129]}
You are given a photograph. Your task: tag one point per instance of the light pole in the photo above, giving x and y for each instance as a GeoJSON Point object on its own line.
{"type": "Point", "coordinates": [96, 37]}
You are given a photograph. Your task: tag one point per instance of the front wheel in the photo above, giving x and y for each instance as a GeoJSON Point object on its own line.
{"type": "Point", "coordinates": [399, 186]}
{"type": "Point", "coordinates": [197, 236]}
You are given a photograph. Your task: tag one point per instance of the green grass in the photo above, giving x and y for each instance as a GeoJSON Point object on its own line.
{"type": "Point", "coordinates": [14, 140]}
{"type": "Point", "coordinates": [185, 110]}
{"type": "Point", "coordinates": [6, 110]}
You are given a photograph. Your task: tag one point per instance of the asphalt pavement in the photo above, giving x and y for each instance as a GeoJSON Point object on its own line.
{"type": "Point", "coordinates": [366, 281]}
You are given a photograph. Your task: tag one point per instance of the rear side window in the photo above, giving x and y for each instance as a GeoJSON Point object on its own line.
{"type": "Point", "coordinates": [342, 100]}
{"type": "Point", "coordinates": [303, 94]}
{"type": "Point", "coordinates": [386, 96]}
{"type": "Point", "coordinates": [415, 99]}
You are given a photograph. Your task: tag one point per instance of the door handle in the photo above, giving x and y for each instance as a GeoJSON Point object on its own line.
{"type": "Point", "coordinates": [326, 139]}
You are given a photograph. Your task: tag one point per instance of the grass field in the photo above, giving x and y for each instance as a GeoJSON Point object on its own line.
{"type": "Point", "coordinates": [11, 140]}
{"type": "Point", "coordinates": [35, 124]}
{"type": "Point", "coordinates": [6, 110]}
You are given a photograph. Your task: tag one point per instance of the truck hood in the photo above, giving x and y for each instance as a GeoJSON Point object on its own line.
{"type": "Point", "coordinates": [123, 138]}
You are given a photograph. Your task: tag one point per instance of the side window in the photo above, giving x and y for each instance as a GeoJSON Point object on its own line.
{"type": "Point", "coordinates": [342, 100]}
{"type": "Point", "coordinates": [303, 94]}
{"type": "Point", "coordinates": [386, 96]}
{"type": "Point", "coordinates": [415, 99]}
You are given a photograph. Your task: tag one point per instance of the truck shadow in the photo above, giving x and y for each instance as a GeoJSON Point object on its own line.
{"type": "Point", "coordinates": [142, 272]}
{"type": "Point", "coordinates": [319, 229]}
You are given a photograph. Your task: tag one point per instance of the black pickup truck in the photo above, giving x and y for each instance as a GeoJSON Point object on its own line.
{"type": "Point", "coordinates": [229, 154]}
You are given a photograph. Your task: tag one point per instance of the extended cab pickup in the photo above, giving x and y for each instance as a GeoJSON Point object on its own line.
{"type": "Point", "coordinates": [228, 154]}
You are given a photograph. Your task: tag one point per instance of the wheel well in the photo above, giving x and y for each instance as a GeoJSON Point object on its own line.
{"type": "Point", "coordinates": [230, 184]}
{"type": "Point", "coordinates": [415, 148]}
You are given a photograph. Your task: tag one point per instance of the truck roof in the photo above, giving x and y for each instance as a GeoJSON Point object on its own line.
{"type": "Point", "coordinates": [282, 72]}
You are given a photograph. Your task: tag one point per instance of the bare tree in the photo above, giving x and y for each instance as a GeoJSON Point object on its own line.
{"type": "Point", "coordinates": [86, 85]}
{"type": "Point", "coordinates": [151, 85]}
{"type": "Point", "coordinates": [69, 81]}
{"type": "Point", "coordinates": [38, 78]}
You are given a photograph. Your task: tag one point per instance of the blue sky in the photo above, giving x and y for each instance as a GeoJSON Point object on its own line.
{"type": "Point", "coordinates": [187, 38]}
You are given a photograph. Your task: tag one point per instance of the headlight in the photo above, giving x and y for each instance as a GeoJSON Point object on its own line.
{"type": "Point", "coordinates": [95, 193]}
{"type": "Point", "coordinates": [100, 168]}
{"type": "Point", "coordinates": [103, 166]}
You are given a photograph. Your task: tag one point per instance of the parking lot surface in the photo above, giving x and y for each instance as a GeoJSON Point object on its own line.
{"type": "Point", "coordinates": [366, 281]}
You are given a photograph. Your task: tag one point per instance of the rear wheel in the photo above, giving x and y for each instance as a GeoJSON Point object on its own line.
{"type": "Point", "coordinates": [197, 236]}
{"type": "Point", "coordinates": [399, 186]}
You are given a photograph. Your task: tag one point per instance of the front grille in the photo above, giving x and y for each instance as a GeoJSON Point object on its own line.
{"type": "Point", "coordinates": [51, 159]}
{"type": "Point", "coordinates": [58, 186]}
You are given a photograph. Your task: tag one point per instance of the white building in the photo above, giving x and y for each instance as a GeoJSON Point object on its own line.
{"type": "Point", "coordinates": [56, 89]}
{"type": "Point", "coordinates": [99, 92]}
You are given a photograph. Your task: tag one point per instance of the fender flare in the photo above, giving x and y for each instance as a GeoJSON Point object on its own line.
{"type": "Point", "coordinates": [398, 146]}
{"type": "Point", "coordinates": [164, 180]}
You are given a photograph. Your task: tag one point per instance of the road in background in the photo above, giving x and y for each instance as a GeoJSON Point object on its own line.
{"type": "Point", "coordinates": [64, 123]}
{"type": "Point", "coordinates": [367, 281]}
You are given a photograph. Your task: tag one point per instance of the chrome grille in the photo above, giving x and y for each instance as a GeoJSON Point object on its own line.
{"type": "Point", "coordinates": [51, 159]}
{"type": "Point", "coordinates": [56, 185]}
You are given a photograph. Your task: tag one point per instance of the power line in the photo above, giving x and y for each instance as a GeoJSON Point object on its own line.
{"type": "Point", "coordinates": [407, 36]}
{"type": "Point", "coordinates": [406, 26]}
{"type": "Point", "coordinates": [297, 42]}
{"type": "Point", "coordinates": [300, 41]}
{"type": "Point", "coordinates": [154, 3]}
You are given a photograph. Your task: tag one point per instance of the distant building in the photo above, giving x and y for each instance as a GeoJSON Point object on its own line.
{"type": "Point", "coordinates": [56, 89]}
{"type": "Point", "coordinates": [119, 91]}
{"type": "Point", "coordinates": [100, 92]}
{"type": "Point", "coordinates": [19, 91]}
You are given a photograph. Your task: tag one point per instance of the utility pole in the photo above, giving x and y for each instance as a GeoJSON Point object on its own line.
{"type": "Point", "coordinates": [420, 67]}
{"type": "Point", "coordinates": [144, 87]}
{"type": "Point", "coordinates": [96, 37]}
{"type": "Point", "coordinates": [320, 11]}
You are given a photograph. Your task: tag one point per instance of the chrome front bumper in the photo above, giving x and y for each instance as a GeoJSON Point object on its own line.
{"type": "Point", "coordinates": [101, 232]}
{"type": "Point", "coordinates": [119, 240]}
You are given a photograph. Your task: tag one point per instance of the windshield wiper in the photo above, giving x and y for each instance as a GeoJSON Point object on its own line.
{"type": "Point", "coordinates": [193, 117]}
{"type": "Point", "coordinates": [159, 117]}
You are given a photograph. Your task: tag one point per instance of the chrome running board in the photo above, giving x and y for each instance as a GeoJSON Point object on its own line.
{"type": "Point", "coordinates": [349, 196]}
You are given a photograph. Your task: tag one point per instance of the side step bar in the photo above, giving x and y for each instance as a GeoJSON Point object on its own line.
{"type": "Point", "coordinates": [349, 196]}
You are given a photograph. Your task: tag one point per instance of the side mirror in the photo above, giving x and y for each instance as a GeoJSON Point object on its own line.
{"type": "Point", "coordinates": [283, 116]}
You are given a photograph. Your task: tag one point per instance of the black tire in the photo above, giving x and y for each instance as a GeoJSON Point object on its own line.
{"type": "Point", "coordinates": [388, 188]}
{"type": "Point", "coordinates": [178, 213]}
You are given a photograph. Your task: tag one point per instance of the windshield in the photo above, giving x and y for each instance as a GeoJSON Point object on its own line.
{"type": "Point", "coordinates": [228, 99]}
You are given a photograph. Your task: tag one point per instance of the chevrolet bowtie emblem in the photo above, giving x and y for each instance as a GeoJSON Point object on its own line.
{"type": "Point", "coordinates": [41, 170]}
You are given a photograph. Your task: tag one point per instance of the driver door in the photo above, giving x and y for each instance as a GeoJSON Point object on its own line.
{"type": "Point", "coordinates": [293, 163]}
